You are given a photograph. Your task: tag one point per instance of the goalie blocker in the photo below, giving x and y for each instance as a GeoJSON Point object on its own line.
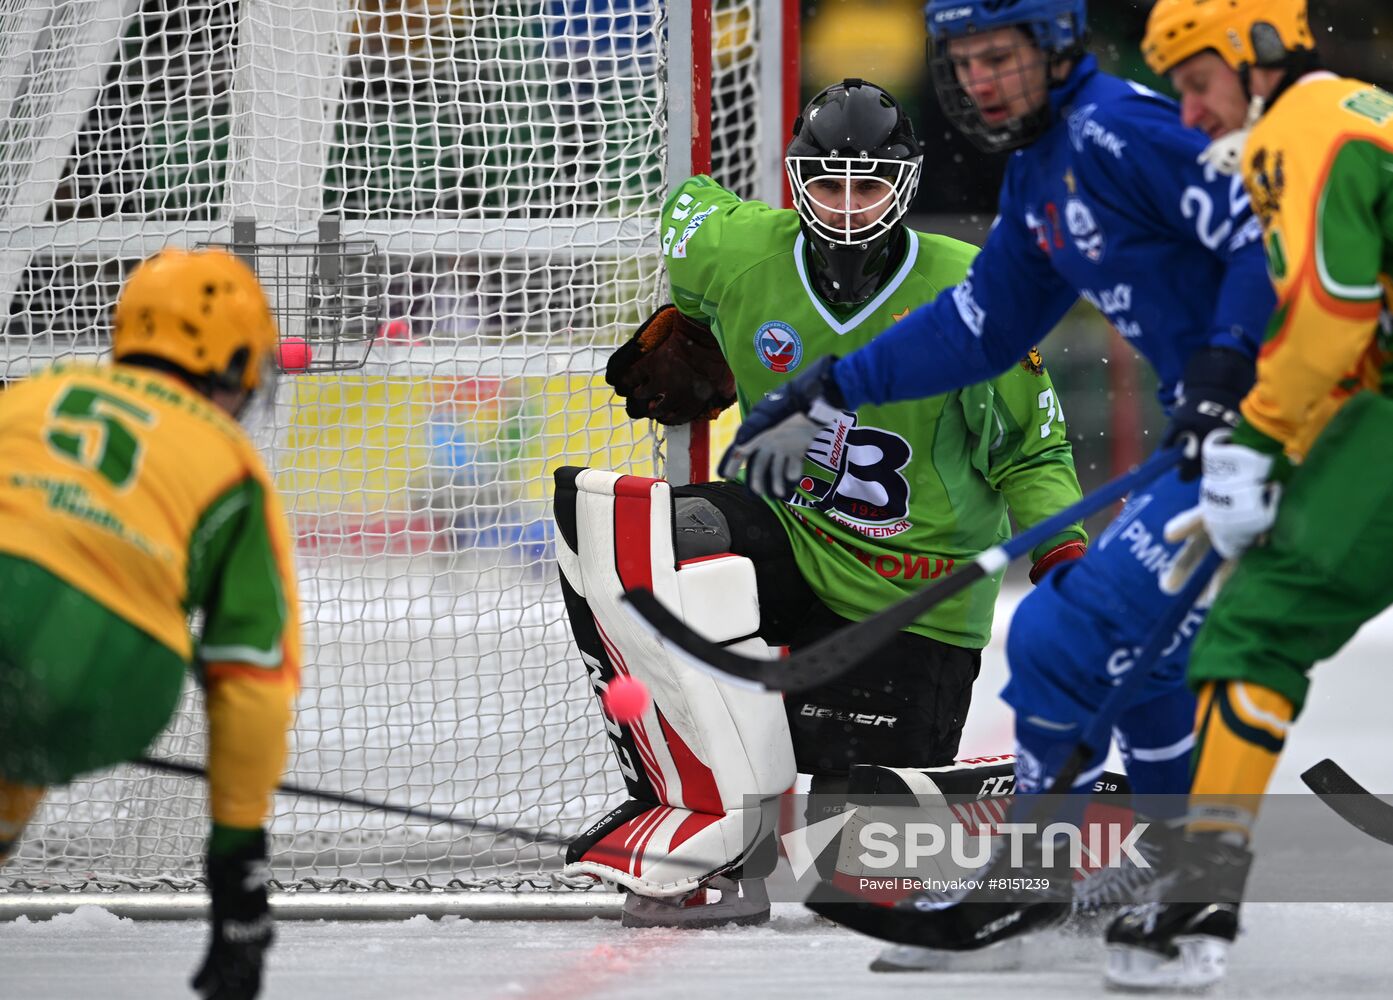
{"type": "Point", "coordinates": [706, 762]}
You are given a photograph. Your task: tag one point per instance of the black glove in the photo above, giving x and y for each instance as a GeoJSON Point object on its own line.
{"type": "Point", "coordinates": [671, 370]}
{"type": "Point", "coordinates": [242, 925]}
{"type": "Point", "coordinates": [1216, 380]}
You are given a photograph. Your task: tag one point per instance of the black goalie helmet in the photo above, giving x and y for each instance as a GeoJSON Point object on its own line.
{"type": "Point", "coordinates": [853, 166]}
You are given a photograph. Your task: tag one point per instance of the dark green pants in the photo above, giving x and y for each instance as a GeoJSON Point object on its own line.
{"type": "Point", "coordinates": [80, 687]}
{"type": "Point", "coordinates": [1326, 570]}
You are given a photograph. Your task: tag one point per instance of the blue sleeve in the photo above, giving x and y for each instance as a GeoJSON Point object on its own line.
{"type": "Point", "coordinates": [1246, 300]}
{"type": "Point", "coordinates": [1009, 300]}
{"type": "Point", "coordinates": [1196, 203]}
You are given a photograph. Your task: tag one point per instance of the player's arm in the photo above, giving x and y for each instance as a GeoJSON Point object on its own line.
{"type": "Point", "coordinates": [1010, 299]}
{"type": "Point", "coordinates": [672, 369]}
{"type": "Point", "coordinates": [1026, 456]}
{"type": "Point", "coordinates": [1327, 249]}
{"type": "Point", "coordinates": [1197, 204]}
{"type": "Point", "coordinates": [1212, 211]}
{"type": "Point", "coordinates": [248, 656]}
{"type": "Point", "coordinates": [248, 651]}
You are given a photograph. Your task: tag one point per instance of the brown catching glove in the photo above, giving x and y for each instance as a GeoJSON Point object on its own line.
{"type": "Point", "coordinates": [671, 371]}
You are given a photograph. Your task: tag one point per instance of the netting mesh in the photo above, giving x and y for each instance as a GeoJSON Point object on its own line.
{"type": "Point", "coordinates": [508, 161]}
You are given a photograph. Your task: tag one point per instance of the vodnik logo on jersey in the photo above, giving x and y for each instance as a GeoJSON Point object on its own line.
{"type": "Point", "coordinates": [779, 347]}
{"type": "Point", "coordinates": [867, 491]}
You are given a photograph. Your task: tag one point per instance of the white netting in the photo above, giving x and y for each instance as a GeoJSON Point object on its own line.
{"type": "Point", "coordinates": [508, 161]}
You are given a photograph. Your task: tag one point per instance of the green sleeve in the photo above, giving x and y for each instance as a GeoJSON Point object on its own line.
{"type": "Point", "coordinates": [1023, 450]}
{"type": "Point", "coordinates": [233, 579]}
{"type": "Point", "coordinates": [709, 236]}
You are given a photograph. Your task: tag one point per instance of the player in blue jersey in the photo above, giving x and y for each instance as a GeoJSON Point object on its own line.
{"type": "Point", "coordinates": [1106, 198]}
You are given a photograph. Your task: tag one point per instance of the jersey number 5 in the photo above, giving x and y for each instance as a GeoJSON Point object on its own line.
{"type": "Point", "coordinates": [88, 426]}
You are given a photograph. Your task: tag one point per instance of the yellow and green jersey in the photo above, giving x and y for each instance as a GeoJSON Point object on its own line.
{"type": "Point", "coordinates": [1319, 168]}
{"type": "Point", "coordinates": [136, 491]}
{"type": "Point", "coordinates": [893, 497]}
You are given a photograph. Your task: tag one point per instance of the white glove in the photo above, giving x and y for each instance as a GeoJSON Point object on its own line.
{"type": "Point", "coordinates": [1236, 501]}
{"type": "Point", "coordinates": [1188, 527]}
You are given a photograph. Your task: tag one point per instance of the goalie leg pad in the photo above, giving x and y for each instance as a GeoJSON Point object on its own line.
{"type": "Point", "coordinates": [704, 755]}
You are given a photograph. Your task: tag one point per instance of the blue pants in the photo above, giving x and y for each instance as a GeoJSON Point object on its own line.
{"type": "Point", "coordinates": [1076, 634]}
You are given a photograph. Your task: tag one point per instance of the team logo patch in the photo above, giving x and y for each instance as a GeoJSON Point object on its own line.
{"type": "Point", "coordinates": [1084, 228]}
{"type": "Point", "coordinates": [1268, 183]}
{"type": "Point", "coordinates": [779, 347]}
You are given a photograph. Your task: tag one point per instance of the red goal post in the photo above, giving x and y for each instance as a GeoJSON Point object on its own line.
{"type": "Point", "coordinates": [690, 114]}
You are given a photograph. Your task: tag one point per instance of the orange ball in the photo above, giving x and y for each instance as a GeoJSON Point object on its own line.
{"type": "Point", "coordinates": [626, 699]}
{"type": "Point", "coordinates": [294, 354]}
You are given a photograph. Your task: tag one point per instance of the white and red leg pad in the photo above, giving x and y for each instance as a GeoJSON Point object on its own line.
{"type": "Point", "coordinates": [703, 758]}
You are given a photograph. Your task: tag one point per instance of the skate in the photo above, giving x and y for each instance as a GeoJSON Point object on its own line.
{"type": "Point", "coordinates": [721, 902]}
{"type": "Point", "coordinates": [1004, 956]}
{"type": "Point", "coordinates": [1171, 946]}
{"type": "Point", "coordinates": [1179, 943]}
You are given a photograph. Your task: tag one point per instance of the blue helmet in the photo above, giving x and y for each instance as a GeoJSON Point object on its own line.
{"type": "Point", "coordinates": [1057, 27]}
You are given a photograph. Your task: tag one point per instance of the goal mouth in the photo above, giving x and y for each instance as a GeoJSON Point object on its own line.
{"type": "Point", "coordinates": [454, 215]}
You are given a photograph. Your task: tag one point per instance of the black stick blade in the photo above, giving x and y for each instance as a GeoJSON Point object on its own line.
{"type": "Point", "coordinates": [1350, 800]}
{"type": "Point", "coordinates": [704, 655]}
{"type": "Point", "coordinates": [812, 665]}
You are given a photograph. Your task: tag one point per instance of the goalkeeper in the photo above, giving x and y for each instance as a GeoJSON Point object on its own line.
{"type": "Point", "coordinates": [131, 498]}
{"type": "Point", "coordinates": [891, 497]}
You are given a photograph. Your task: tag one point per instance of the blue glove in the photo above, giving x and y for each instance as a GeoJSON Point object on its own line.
{"type": "Point", "coordinates": [1216, 380]}
{"type": "Point", "coordinates": [778, 431]}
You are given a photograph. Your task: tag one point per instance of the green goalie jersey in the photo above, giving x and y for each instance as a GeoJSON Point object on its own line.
{"type": "Point", "coordinates": [896, 496]}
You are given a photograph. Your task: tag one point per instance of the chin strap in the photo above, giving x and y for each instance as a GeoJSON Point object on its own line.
{"type": "Point", "coordinates": [1225, 154]}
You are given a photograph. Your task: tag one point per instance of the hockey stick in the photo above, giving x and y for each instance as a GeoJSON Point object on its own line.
{"type": "Point", "coordinates": [941, 926]}
{"type": "Point", "coordinates": [414, 812]}
{"type": "Point", "coordinates": [1355, 804]}
{"type": "Point", "coordinates": [834, 655]}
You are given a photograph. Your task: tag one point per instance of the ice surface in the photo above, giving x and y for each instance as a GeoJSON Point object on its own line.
{"type": "Point", "coordinates": [1288, 950]}
{"type": "Point", "coordinates": [1317, 950]}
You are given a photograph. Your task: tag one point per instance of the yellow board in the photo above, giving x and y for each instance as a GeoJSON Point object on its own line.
{"type": "Point", "coordinates": [363, 445]}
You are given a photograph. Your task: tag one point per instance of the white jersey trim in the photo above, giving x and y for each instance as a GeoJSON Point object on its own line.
{"type": "Point", "coordinates": [838, 327]}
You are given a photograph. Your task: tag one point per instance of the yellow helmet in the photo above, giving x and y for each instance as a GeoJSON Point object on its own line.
{"type": "Point", "coordinates": [201, 310]}
{"type": "Point", "coordinates": [1241, 32]}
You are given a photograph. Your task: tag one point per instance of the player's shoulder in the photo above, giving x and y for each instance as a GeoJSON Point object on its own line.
{"type": "Point", "coordinates": [178, 417]}
{"type": "Point", "coordinates": [942, 258]}
{"type": "Point", "coordinates": [1322, 110]}
{"type": "Point", "coordinates": [1119, 119]}
{"type": "Point", "coordinates": [701, 196]}
{"type": "Point", "coordinates": [701, 219]}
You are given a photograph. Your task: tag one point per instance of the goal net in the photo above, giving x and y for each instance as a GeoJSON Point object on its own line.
{"type": "Point", "coordinates": [495, 170]}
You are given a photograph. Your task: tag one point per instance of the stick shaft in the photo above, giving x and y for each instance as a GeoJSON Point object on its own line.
{"type": "Point", "coordinates": [414, 812]}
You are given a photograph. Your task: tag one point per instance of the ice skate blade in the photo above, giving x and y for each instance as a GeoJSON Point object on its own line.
{"type": "Point", "coordinates": [1202, 962]}
{"type": "Point", "coordinates": [742, 904]}
{"type": "Point", "coordinates": [1004, 956]}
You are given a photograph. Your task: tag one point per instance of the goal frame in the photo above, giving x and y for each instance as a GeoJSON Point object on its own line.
{"type": "Point", "coordinates": [280, 143]}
